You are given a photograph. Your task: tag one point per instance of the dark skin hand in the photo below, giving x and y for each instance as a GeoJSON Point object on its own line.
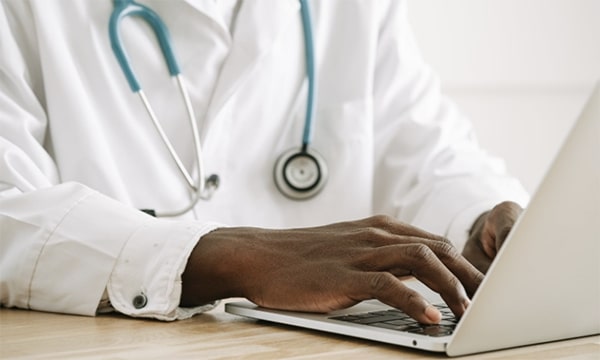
{"type": "Point", "coordinates": [331, 267]}
{"type": "Point", "coordinates": [489, 233]}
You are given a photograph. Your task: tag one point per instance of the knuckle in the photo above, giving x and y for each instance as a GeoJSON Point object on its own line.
{"type": "Point", "coordinates": [446, 249]}
{"type": "Point", "coordinates": [508, 209]}
{"type": "Point", "coordinates": [371, 236]}
{"type": "Point", "coordinates": [408, 298]}
{"type": "Point", "coordinates": [445, 240]}
{"type": "Point", "coordinates": [381, 221]}
{"type": "Point", "coordinates": [420, 251]}
{"type": "Point", "coordinates": [380, 282]}
{"type": "Point", "coordinates": [502, 207]}
{"type": "Point", "coordinates": [454, 283]}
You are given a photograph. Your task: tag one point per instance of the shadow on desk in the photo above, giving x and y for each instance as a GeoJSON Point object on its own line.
{"type": "Point", "coordinates": [215, 335]}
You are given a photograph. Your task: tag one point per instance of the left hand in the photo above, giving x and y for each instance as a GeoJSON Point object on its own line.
{"type": "Point", "coordinates": [489, 232]}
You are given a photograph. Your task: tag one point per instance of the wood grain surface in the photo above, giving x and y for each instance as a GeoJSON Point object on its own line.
{"type": "Point", "coordinates": [216, 335]}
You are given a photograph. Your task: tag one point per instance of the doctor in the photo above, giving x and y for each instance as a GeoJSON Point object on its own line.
{"type": "Point", "coordinates": [81, 155]}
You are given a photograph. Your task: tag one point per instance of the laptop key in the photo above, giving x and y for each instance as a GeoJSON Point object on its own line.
{"type": "Point", "coordinates": [372, 319]}
{"type": "Point", "coordinates": [398, 322]}
{"type": "Point", "coordinates": [387, 325]}
{"type": "Point", "coordinates": [395, 319]}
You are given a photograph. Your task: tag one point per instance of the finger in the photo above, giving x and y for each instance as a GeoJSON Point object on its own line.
{"type": "Point", "coordinates": [501, 220]}
{"type": "Point", "coordinates": [383, 231]}
{"type": "Point", "coordinates": [386, 288]}
{"type": "Point", "coordinates": [393, 258]}
{"type": "Point", "coordinates": [501, 235]}
{"type": "Point", "coordinates": [469, 276]}
{"type": "Point", "coordinates": [421, 261]}
{"type": "Point", "coordinates": [395, 227]}
{"type": "Point", "coordinates": [429, 269]}
{"type": "Point", "coordinates": [473, 252]}
{"type": "Point", "coordinates": [487, 240]}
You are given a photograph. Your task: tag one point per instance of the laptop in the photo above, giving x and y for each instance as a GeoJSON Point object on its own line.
{"type": "Point", "coordinates": [543, 286]}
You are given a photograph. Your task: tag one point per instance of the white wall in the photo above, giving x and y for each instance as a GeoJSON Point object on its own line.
{"type": "Point", "coordinates": [520, 69]}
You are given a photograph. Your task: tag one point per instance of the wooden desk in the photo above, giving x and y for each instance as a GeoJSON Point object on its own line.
{"type": "Point", "coordinates": [215, 335]}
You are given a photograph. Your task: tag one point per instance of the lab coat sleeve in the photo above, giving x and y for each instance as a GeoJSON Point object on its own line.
{"type": "Point", "coordinates": [430, 170]}
{"type": "Point", "coordinates": [64, 245]}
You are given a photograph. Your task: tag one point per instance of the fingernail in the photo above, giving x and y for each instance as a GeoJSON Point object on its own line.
{"type": "Point", "coordinates": [433, 314]}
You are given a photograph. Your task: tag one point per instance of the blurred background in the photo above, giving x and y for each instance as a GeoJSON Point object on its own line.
{"type": "Point", "coordinates": [521, 70]}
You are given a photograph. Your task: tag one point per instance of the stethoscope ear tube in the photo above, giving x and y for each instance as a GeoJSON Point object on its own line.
{"type": "Point", "coordinates": [310, 74]}
{"type": "Point", "coordinates": [203, 188]}
{"type": "Point", "coordinates": [125, 8]}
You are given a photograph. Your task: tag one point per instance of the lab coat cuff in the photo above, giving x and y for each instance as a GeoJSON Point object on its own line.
{"type": "Point", "coordinates": [146, 279]}
{"type": "Point", "coordinates": [85, 234]}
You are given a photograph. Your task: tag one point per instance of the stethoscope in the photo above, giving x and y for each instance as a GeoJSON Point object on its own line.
{"type": "Point", "coordinates": [299, 173]}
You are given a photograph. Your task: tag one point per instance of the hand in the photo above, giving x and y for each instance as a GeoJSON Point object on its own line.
{"type": "Point", "coordinates": [489, 232]}
{"type": "Point", "coordinates": [331, 267]}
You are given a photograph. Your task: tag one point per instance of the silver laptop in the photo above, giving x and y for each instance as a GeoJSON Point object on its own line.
{"type": "Point", "coordinates": [543, 286]}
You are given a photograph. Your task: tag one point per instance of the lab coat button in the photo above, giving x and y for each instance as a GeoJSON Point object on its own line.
{"type": "Point", "coordinates": [140, 301]}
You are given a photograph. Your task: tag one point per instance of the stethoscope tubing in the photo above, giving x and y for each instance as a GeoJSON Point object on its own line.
{"type": "Point", "coordinates": [204, 187]}
{"type": "Point", "coordinates": [126, 8]}
{"type": "Point", "coordinates": [310, 74]}
{"type": "Point", "coordinates": [123, 9]}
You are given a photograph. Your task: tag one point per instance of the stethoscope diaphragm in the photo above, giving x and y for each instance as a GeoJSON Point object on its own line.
{"type": "Point", "coordinates": [300, 174]}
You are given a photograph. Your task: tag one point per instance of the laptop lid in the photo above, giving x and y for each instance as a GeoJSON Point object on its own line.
{"type": "Point", "coordinates": [544, 284]}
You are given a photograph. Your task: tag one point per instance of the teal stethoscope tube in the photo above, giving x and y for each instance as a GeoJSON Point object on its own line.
{"type": "Point", "coordinates": [125, 8]}
{"type": "Point", "coordinates": [308, 170]}
{"type": "Point", "coordinates": [310, 73]}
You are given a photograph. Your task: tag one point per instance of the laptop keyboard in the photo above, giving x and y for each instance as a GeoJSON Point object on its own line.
{"type": "Point", "coordinates": [394, 319]}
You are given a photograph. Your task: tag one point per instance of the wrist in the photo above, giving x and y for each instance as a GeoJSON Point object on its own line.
{"type": "Point", "coordinates": [211, 272]}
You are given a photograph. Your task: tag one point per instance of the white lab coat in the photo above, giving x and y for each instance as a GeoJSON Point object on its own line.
{"type": "Point", "coordinates": [79, 155]}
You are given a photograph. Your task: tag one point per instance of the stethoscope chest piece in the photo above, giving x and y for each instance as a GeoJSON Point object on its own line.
{"type": "Point", "coordinates": [300, 174]}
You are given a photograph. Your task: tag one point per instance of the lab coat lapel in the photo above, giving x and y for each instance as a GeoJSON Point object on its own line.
{"type": "Point", "coordinates": [257, 25]}
{"type": "Point", "coordinates": [209, 9]}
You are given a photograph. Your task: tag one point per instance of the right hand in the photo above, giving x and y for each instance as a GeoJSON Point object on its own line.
{"type": "Point", "coordinates": [489, 233]}
{"type": "Point", "coordinates": [326, 268]}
